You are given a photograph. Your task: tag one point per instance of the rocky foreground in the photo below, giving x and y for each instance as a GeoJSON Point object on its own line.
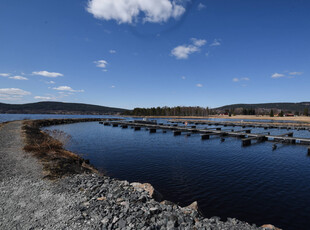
{"type": "Point", "coordinates": [84, 201]}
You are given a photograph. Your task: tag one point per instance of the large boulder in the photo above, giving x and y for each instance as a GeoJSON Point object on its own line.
{"type": "Point", "coordinates": [269, 227]}
{"type": "Point", "coordinates": [149, 189]}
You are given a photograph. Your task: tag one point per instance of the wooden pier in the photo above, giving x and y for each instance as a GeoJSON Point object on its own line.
{"type": "Point", "coordinates": [245, 135]}
{"type": "Point", "coordinates": [244, 124]}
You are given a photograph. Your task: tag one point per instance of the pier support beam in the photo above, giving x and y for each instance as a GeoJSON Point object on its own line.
{"type": "Point", "coordinates": [152, 130]}
{"type": "Point", "coordinates": [176, 133]}
{"type": "Point", "coordinates": [124, 126]}
{"type": "Point", "coordinates": [205, 136]}
{"type": "Point", "coordinates": [246, 142]}
{"type": "Point", "coordinates": [136, 128]}
{"type": "Point", "coordinates": [115, 125]}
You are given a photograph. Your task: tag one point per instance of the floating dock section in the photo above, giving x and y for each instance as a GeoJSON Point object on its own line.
{"type": "Point", "coordinates": [246, 135]}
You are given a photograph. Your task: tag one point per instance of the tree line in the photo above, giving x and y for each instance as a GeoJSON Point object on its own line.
{"type": "Point", "coordinates": [171, 111]}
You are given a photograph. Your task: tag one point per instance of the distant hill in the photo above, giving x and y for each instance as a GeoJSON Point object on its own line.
{"type": "Point", "coordinates": [293, 107]}
{"type": "Point", "coordinates": [58, 108]}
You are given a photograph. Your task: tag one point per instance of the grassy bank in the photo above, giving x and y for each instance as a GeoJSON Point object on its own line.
{"type": "Point", "coordinates": [57, 162]}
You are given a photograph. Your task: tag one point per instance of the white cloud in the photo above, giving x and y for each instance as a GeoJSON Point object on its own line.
{"type": "Point", "coordinates": [112, 51]}
{"type": "Point", "coordinates": [183, 51]}
{"type": "Point", "coordinates": [47, 74]}
{"type": "Point", "coordinates": [199, 85]}
{"type": "Point", "coordinates": [216, 42]}
{"type": "Point", "coordinates": [12, 94]}
{"type": "Point", "coordinates": [4, 74]}
{"type": "Point", "coordinates": [101, 63]}
{"type": "Point", "coordinates": [183, 77]}
{"type": "Point", "coordinates": [14, 91]}
{"type": "Point", "coordinates": [44, 98]}
{"type": "Point", "coordinates": [50, 82]}
{"type": "Point", "coordinates": [295, 73]}
{"type": "Point", "coordinates": [277, 75]}
{"type": "Point", "coordinates": [68, 88]}
{"type": "Point", "coordinates": [241, 79]}
{"type": "Point", "coordinates": [199, 42]}
{"type": "Point", "coordinates": [113, 86]}
{"type": "Point", "coordinates": [128, 11]}
{"type": "Point", "coordinates": [201, 6]}
{"type": "Point", "coordinates": [18, 78]}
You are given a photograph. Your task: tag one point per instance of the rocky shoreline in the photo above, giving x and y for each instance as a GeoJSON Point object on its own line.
{"type": "Point", "coordinates": [85, 200]}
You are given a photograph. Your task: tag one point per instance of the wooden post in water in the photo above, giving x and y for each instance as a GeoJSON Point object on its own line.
{"type": "Point", "coordinates": [205, 136]}
{"type": "Point", "coordinates": [136, 128]}
{"type": "Point", "coordinates": [115, 125]}
{"type": "Point", "coordinates": [176, 133]}
{"type": "Point", "coordinates": [152, 130]}
{"type": "Point", "coordinates": [308, 151]}
{"type": "Point", "coordinates": [219, 129]}
{"type": "Point", "coordinates": [246, 142]}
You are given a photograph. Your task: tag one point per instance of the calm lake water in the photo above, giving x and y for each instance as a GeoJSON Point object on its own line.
{"type": "Point", "coordinates": [253, 184]}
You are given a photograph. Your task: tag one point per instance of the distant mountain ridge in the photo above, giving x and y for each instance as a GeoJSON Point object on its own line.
{"type": "Point", "coordinates": [58, 108]}
{"type": "Point", "coordinates": [285, 106]}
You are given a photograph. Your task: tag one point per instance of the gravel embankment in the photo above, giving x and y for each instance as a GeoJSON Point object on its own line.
{"type": "Point", "coordinates": [84, 201]}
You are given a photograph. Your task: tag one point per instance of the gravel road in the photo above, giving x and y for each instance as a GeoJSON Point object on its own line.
{"type": "Point", "coordinates": [84, 201]}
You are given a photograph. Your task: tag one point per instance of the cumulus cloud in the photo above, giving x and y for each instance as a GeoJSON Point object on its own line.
{"type": "Point", "coordinates": [199, 85]}
{"type": "Point", "coordinates": [183, 51]}
{"type": "Point", "coordinates": [12, 94]}
{"type": "Point", "coordinates": [112, 51]}
{"type": "Point", "coordinates": [125, 11]}
{"type": "Point", "coordinates": [14, 91]}
{"type": "Point", "coordinates": [216, 42]}
{"type": "Point", "coordinates": [44, 98]}
{"type": "Point", "coordinates": [241, 79]}
{"type": "Point", "coordinates": [47, 74]}
{"type": "Point", "coordinates": [277, 75]}
{"type": "Point", "coordinates": [198, 42]}
{"type": "Point", "coordinates": [101, 63]}
{"type": "Point", "coordinates": [201, 6]}
{"type": "Point", "coordinates": [4, 74]}
{"type": "Point", "coordinates": [67, 88]}
{"type": "Point", "coordinates": [18, 78]}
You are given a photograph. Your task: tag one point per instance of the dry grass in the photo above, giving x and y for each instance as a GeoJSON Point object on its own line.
{"type": "Point", "coordinates": [48, 148]}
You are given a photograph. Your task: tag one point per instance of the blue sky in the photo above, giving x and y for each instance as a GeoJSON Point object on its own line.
{"type": "Point", "coordinates": [155, 52]}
